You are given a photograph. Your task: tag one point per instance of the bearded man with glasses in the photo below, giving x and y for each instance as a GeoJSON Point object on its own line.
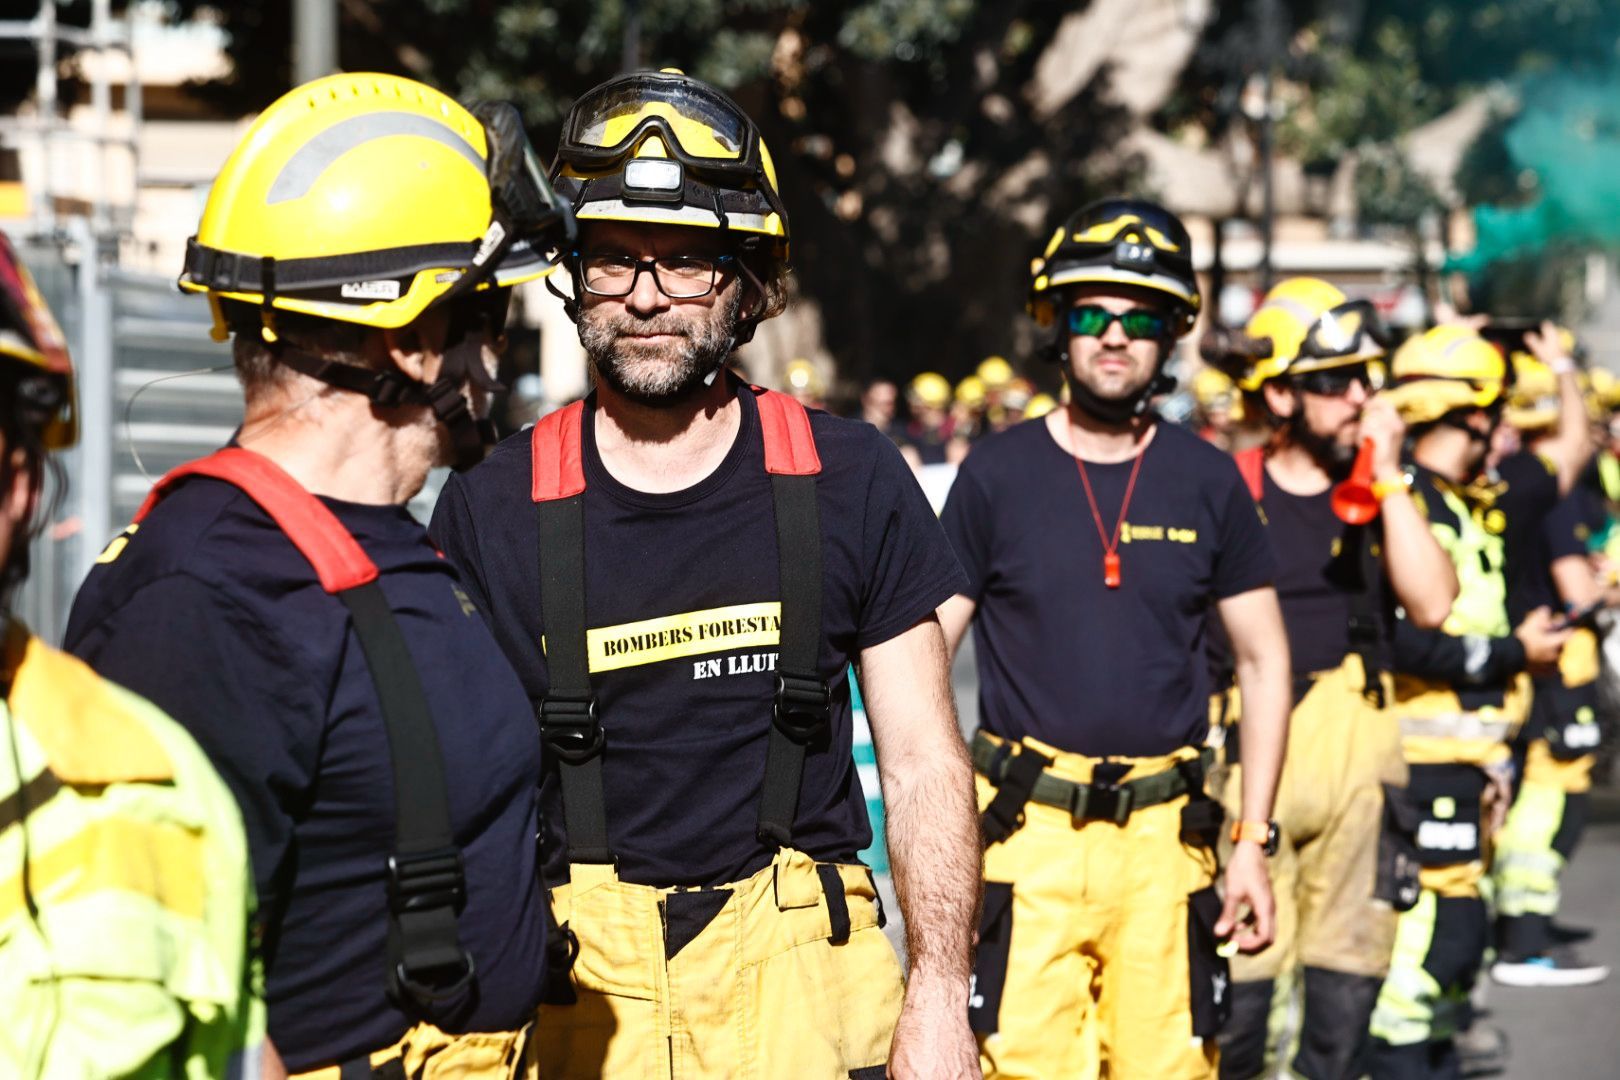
{"type": "Point", "coordinates": [711, 558]}
{"type": "Point", "coordinates": [1309, 361]}
{"type": "Point", "coordinates": [1098, 541]}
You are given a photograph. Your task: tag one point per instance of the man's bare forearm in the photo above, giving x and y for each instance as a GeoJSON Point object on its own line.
{"type": "Point", "coordinates": [932, 817]}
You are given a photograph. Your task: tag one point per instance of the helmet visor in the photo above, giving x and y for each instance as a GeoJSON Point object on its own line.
{"type": "Point", "coordinates": [1352, 329]}
{"type": "Point", "coordinates": [532, 221]}
{"type": "Point", "coordinates": [698, 125]}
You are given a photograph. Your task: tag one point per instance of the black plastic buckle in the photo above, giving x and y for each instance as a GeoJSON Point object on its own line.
{"type": "Point", "coordinates": [1102, 802]}
{"type": "Point", "coordinates": [390, 388]}
{"type": "Point", "coordinates": [570, 729]}
{"type": "Point", "coordinates": [426, 880]}
{"type": "Point", "coordinates": [803, 706]}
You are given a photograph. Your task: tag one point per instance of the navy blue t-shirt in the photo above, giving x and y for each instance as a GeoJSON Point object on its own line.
{"type": "Point", "coordinates": [682, 609]}
{"type": "Point", "coordinates": [1317, 575]}
{"type": "Point", "coordinates": [1531, 495]}
{"type": "Point", "coordinates": [1062, 657]}
{"type": "Point", "coordinates": [209, 611]}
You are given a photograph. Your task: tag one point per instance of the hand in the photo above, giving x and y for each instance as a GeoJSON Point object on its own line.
{"type": "Point", "coordinates": [1545, 346]}
{"type": "Point", "coordinates": [1498, 796]}
{"type": "Point", "coordinates": [932, 1039]}
{"type": "Point", "coordinates": [1248, 885]}
{"type": "Point", "coordinates": [1543, 637]}
{"type": "Point", "coordinates": [1384, 426]}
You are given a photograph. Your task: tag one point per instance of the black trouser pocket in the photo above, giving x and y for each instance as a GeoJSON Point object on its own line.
{"type": "Point", "coordinates": [1572, 728]}
{"type": "Point", "coordinates": [1398, 864]}
{"type": "Point", "coordinates": [1448, 803]}
{"type": "Point", "coordinates": [990, 959]}
{"type": "Point", "coordinates": [1210, 974]}
{"type": "Point", "coordinates": [871, 1072]}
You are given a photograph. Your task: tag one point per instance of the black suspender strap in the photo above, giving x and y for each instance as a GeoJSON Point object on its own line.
{"type": "Point", "coordinates": [569, 724]}
{"type": "Point", "coordinates": [425, 875]}
{"type": "Point", "coordinates": [426, 882]}
{"type": "Point", "coordinates": [1365, 619]}
{"type": "Point", "coordinates": [802, 710]}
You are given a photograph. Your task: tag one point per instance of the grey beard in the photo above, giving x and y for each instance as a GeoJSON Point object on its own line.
{"type": "Point", "coordinates": [660, 380]}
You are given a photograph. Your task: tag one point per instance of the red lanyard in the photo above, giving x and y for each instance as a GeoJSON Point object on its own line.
{"type": "Point", "coordinates": [1111, 547]}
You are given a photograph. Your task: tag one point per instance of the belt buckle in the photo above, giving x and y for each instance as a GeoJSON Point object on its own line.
{"type": "Point", "coordinates": [1102, 802]}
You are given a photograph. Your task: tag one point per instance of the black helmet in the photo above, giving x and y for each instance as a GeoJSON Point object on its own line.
{"type": "Point", "coordinates": [1121, 241]}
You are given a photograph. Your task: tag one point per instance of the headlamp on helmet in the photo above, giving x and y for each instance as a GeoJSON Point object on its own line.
{"type": "Point", "coordinates": [1126, 242]}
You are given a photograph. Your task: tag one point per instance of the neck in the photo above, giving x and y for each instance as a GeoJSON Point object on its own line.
{"type": "Point", "coordinates": [1088, 438]}
{"type": "Point", "coordinates": [659, 449]}
{"type": "Point", "coordinates": [1296, 470]}
{"type": "Point", "coordinates": [335, 445]}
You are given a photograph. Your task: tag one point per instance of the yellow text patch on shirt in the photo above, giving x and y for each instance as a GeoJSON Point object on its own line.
{"type": "Point", "coordinates": [692, 633]}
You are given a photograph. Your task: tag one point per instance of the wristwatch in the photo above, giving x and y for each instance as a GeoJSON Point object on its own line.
{"type": "Point", "coordinates": [1264, 833]}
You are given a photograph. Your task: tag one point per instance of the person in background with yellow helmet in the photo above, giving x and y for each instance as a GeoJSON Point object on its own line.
{"type": "Point", "coordinates": [712, 556]}
{"type": "Point", "coordinates": [125, 890]}
{"type": "Point", "coordinates": [1461, 692]}
{"type": "Point", "coordinates": [1098, 543]}
{"type": "Point", "coordinates": [1309, 360]}
{"type": "Point", "coordinates": [1220, 409]}
{"type": "Point", "coordinates": [805, 383]}
{"type": "Point", "coordinates": [995, 377]}
{"type": "Point", "coordinates": [1039, 405]}
{"type": "Point", "coordinates": [931, 437]}
{"type": "Point", "coordinates": [1547, 566]}
{"type": "Point", "coordinates": [278, 599]}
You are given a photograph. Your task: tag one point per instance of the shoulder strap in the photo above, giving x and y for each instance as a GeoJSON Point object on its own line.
{"type": "Point", "coordinates": [1252, 464]}
{"type": "Point", "coordinates": [569, 725]}
{"type": "Point", "coordinates": [802, 710]}
{"type": "Point", "coordinates": [426, 883]}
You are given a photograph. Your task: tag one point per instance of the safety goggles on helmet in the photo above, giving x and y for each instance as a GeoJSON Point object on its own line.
{"type": "Point", "coordinates": [528, 223]}
{"type": "Point", "coordinates": [1352, 329]}
{"type": "Point", "coordinates": [1139, 324]}
{"type": "Point", "coordinates": [704, 135]}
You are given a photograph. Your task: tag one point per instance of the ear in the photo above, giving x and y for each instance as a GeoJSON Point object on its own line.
{"type": "Point", "coordinates": [1280, 399]}
{"type": "Point", "coordinates": [407, 349]}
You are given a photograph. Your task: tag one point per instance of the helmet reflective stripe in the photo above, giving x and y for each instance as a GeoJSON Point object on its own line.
{"type": "Point", "coordinates": [1103, 274]}
{"type": "Point", "coordinates": [312, 159]}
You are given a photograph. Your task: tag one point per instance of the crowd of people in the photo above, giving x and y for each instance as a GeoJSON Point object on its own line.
{"type": "Point", "coordinates": [1294, 708]}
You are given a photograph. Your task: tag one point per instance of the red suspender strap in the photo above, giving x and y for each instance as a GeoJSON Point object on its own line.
{"type": "Point", "coordinates": [1252, 464]}
{"type": "Point", "coordinates": [790, 448]}
{"type": "Point", "coordinates": [338, 559]}
{"type": "Point", "coordinates": [558, 461]}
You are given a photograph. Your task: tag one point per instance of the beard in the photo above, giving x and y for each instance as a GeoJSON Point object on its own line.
{"type": "Point", "coordinates": [660, 375]}
{"type": "Point", "coordinates": [1327, 451]}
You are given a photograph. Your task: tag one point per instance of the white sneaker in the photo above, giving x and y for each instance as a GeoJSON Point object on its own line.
{"type": "Point", "coordinates": [1549, 969]}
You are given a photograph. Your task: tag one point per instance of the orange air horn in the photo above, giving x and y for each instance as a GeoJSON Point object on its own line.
{"type": "Point", "coordinates": [1353, 500]}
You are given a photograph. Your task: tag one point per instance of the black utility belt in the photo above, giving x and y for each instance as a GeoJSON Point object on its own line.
{"type": "Point", "coordinates": [1096, 801]}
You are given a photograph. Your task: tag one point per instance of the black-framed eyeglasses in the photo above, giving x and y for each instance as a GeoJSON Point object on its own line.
{"type": "Point", "coordinates": [679, 277]}
{"type": "Point", "coordinates": [1139, 324]}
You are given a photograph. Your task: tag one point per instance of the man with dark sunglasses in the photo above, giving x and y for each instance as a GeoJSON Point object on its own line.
{"type": "Point", "coordinates": [682, 568]}
{"type": "Point", "coordinates": [1308, 362]}
{"type": "Point", "coordinates": [1098, 542]}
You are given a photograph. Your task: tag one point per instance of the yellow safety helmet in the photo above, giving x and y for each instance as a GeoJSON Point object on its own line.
{"type": "Point", "coordinates": [1602, 392]}
{"type": "Point", "coordinates": [1306, 324]}
{"type": "Point", "coordinates": [802, 377]}
{"type": "Point", "coordinates": [1039, 406]}
{"type": "Point", "coordinates": [1533, 404]}
{"type": "Point", "coordinates": [930, 389]}
{"type": "Point", "coordinates": [1212, 387]}
{"type": "Point", "coordinates": [1445, 369]}
{"type": "Point", "coordinates": [665, 148]}
{"type": "Point", "coordinates": [971, 392]}
{"type": "Point", "coordinates": [995, 372]}
{"type": "Point", "coordinates": [32, 346]}
{"type": "Point", "coordinates": [369, 198]}
{"type": "Point", "coordinates": [1017, 394]}
{"type": "Point", "coordinates": [1130, 242]}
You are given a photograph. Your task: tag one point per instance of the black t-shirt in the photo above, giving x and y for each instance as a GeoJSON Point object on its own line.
{"type": "Point", "coordinates": [1574, 522]}
{"type": "Point", "coordinates": [1317, 574]}
{"type": "Point", "coordinates": [1062, 657]}
{"type": "Point", "coordinates": [214, 615]}
{"type": "Point", "coordinates": [1532, 492]}
{"type": "Point", "coordinates": [682, 602]}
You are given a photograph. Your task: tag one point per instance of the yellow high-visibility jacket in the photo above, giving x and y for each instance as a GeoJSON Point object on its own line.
{"type": "Point", "coordinates": [125, 890]}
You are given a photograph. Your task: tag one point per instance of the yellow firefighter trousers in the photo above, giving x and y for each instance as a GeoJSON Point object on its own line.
{"type": "Point", "coordinates": [426, 1053]}
{"type": "Point", "coordinates": [1330, 812]}
{"type": "Point", "coordinates": [748, 981]}
{"type": "Point", "coordinates": [1097, 978]}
